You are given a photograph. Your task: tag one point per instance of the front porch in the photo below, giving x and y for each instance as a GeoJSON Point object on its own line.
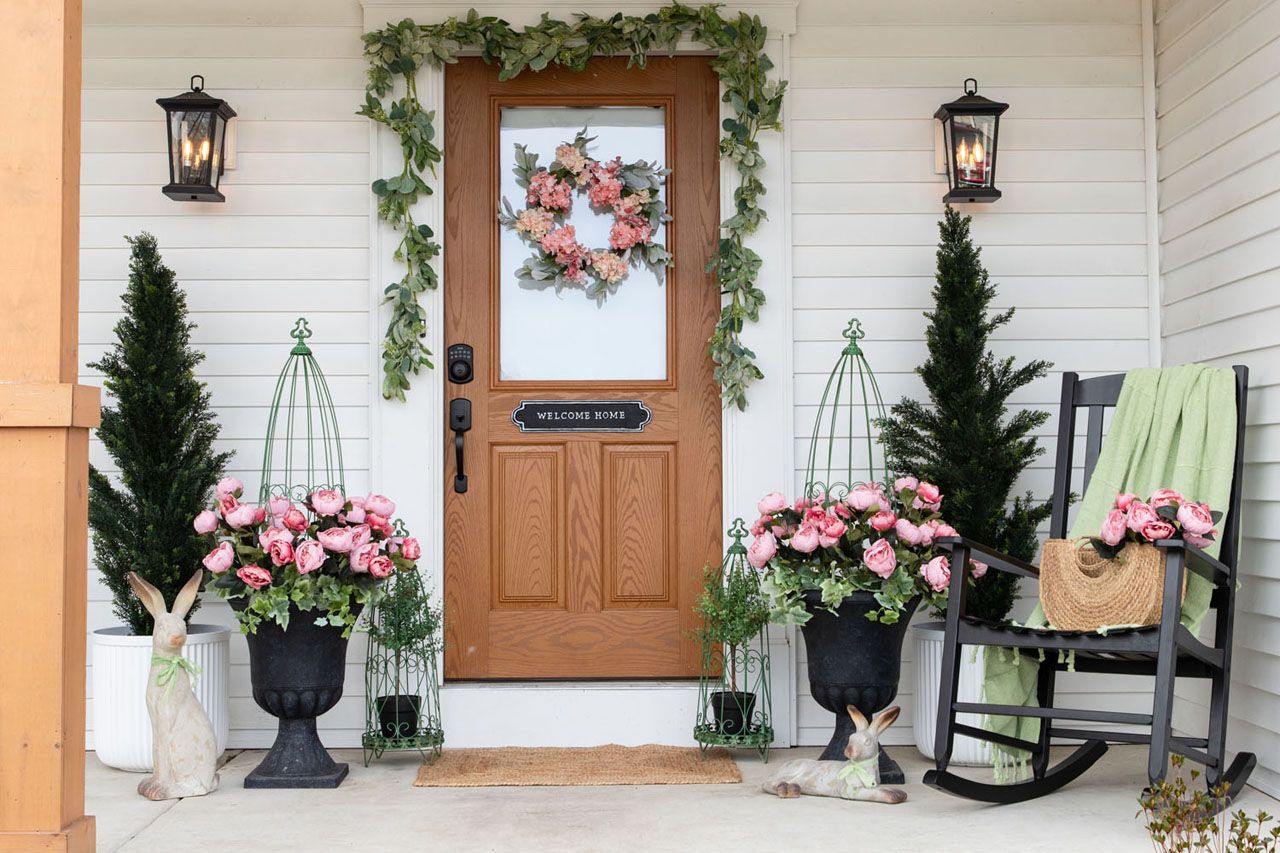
{"type": "Point", "coordinates": [378, 809]}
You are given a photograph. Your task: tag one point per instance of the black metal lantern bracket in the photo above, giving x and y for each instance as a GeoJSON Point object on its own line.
{"type": "Point", "coordinates": [959, 123]}
{"type": "Point", "coordinates": [200, 140]}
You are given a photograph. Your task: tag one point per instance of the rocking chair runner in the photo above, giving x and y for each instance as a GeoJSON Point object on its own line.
{"type": "Point", "coordinates": [1167, 650]}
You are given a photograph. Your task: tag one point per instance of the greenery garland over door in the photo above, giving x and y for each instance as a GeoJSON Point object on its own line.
{"type": "Point", "coordinates": [400, 50]}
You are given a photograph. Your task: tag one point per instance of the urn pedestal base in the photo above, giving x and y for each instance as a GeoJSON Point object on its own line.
{"type": "Point", "coordinates": [297, 760]}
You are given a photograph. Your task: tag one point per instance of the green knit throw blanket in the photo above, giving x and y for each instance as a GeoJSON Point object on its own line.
{"type": "Point", "coordinates": [1173, 427]}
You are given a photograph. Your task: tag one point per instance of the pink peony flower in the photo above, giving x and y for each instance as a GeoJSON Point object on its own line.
{"type": "Point", "coordinates": [205, 522]}
{"type": "Point", "coordinates": [278, 506]}
{"type": "Point", "coordinates": [361, 555]}
{"type": "Point", "coordinates": [381, 504]}
{"type": "Point", "coordinates": [244, 515]}
{"type": "Point", "coordinates": [228, 487]}
{"type": "Point", "coordinates": [411, 549]}
{"type": "Point", "coordinates": [281, 552]}
{"type": "Point", "coordinates": [880, 559]}
{"type": "Point", "coordinates": [1114, 527]}
{"type": "Point", "coordinates": [361, 535]}
{"type": "Point", "coordinates": [805, 539]}
{"type": "Point", "coordinates": [226, 504]}
{"type": "Point", "coordinates": [259, 514]}
{"type": "Point", "coordinates": [904, 483]}
{"type": "Point", "coordinates": [941, 528]}
{"type": "Point", "coordinates": [295, 520]}
{"type": "Point", "coordinates": [1195, 518]}
{"type": "Point", "coordinates": [338, 540]}
{"type": "Point", "coordinates": [1196, 540]}
{"type": "Point", "coordinates": [220, 559]}
{"type": "Point", "coordinates": [1164, 497]}
{"type": "Point", "coordinates": [937, 573]}
{"type": "Point", "coordinates": [928, 530]}
{"type": "Point", "coordinates": [762, 550]}
{"type": "Point", "coordinates": [771, 503]}
{"type": "Point", "coordinates": [272, 535]}
{"type": "Point", "coordinates": [1157, 530]}
{"type": "Point", "coordinates": [830, 530]}
{"type": "Point", "coordinates": [1124, 500]}
{"type": "Point", "coordinates": [355, 515]}
{"type": "Point", "coordinates": [1140, 514]}
{"type": "Point", "coordinates": [883, 520]}
{"type": "Point", "coordinates": [978, 568]}
{"type": "Point", "coordinates": [908, 532]}
{"type": "Point", "coordinates": [255, 576]}
{"type": "Point", "coordinates": [327, 501]}
{"type": "Point", "coordinates": [929, 495]}
{"type": "Point", "coordinates": [381, 566]}
{"type": "Point", "coordinates": [864, 496]}
{"type": "Point", "coordinates": [309, 555]}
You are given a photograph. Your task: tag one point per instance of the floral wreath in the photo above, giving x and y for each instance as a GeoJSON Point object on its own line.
{"type": "Point", "coordinates": [630, 191]}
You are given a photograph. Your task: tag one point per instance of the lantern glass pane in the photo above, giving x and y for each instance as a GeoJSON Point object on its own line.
{"type": "Point", "coordinates": [972, 149]}
{"type": "Point", "coordinates": [192, 146]}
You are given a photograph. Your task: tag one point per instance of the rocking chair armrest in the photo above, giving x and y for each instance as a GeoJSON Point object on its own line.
{"type": "Point", "coordinates": [993, 558]}
{"type": "Point", "coordinates": [1214, 571]}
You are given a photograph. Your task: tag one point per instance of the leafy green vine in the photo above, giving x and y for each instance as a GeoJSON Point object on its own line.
{"type": "Point", "coordinates": [400, 50]}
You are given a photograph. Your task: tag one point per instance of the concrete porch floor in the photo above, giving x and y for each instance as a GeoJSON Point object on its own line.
{"type": "Point", "coordinates": [377, 808]}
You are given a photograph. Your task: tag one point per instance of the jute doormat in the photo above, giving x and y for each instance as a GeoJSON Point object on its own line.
{"type": "Point", "coordinates": [593, 765]}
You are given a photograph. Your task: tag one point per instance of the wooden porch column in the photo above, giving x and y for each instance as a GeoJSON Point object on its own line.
{"type": "Point", "coordinates": [44, 433]}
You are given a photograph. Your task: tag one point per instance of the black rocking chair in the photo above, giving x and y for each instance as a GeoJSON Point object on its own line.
{"type": "Point", "coordinates": [1166, 650]}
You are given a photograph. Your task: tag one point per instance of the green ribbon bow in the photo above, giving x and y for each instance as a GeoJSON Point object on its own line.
{"type": "Point", "coordinates": [859, 774]}
{"type": "Point", "coordinates": [170, 666]}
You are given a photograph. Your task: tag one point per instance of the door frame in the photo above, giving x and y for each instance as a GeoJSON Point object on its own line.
{"type": "Point", "coordinates": [406, 437]}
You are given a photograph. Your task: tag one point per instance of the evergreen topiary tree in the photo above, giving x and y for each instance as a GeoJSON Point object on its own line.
{"type": "Point", "coordinates": [965, 442]}
{"type": "Point", "coordinates": [160, 434]}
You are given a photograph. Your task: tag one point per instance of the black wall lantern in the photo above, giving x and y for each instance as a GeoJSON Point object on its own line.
{"type": "Point", "coordinates": [197, 131]}
{"type": "Point", "coordinates": [970, 134]}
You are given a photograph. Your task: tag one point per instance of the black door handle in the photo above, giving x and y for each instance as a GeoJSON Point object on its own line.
{"type": "Point", "coordinates": [459, 422]}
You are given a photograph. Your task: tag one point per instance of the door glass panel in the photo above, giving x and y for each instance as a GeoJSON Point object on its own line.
{"type": "Point", "coordinates": [569, 335]}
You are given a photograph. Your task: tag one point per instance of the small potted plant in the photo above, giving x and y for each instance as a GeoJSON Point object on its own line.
{"type": "Point", "coordinates": [298, 577]}
{"type": "Point", "coordinates": [405, 627]}
{"type": "Point", "coordinates": [733, 612]}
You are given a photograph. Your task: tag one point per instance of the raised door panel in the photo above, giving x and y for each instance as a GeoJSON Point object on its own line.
{"type": "Point", "coordinates": [527, 489]}
{"type": "Point", "coordinates": [639, 524]}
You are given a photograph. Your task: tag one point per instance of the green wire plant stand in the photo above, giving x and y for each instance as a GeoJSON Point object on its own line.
{"type": "Point", "coordinates": [734, 698]}
{"type": "Point", "coordinates": [850, 386]}
{"type": "Point", "coordinates": [402, 696]}
{"type": "Point", "coordinates": [303, 449]}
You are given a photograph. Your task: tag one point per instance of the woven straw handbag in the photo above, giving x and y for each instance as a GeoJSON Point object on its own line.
{"type": "Point", "coordinates": [1082, 591]}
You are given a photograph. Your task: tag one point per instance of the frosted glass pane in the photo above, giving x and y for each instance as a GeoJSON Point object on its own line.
{"type": "Point", "coordinates": [552, 336]}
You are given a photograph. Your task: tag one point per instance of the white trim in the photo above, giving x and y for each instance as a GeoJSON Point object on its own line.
{"type": "Point", "coordinates": [406, 438]}
{"type": "Point", "coordinates": [1150, 141]}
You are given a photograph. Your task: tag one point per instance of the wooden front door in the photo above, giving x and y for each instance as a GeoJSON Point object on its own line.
{"type": "Point", "coordinates": [577, 551]}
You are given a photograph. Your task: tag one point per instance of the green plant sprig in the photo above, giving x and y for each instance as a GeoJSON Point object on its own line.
{"type": "Point", "coordinates": [400, 50]}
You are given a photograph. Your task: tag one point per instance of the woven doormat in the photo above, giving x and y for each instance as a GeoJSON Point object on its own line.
{"type": "Point", "coordinates": [593, 765]}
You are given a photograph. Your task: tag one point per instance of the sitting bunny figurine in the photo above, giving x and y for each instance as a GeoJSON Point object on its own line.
{"type": "Point", "coordinates": [856, 779]}
{"type": "Point", "coordinates": [183, 747]}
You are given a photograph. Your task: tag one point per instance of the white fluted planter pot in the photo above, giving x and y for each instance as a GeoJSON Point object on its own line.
{"type": "Point", "coordinates": [121, 662]}
{"type": "Point", "coordinates": [967, 751]}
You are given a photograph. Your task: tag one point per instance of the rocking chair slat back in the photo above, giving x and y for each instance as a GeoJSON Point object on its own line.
{"type": "Point", "coordinates": [1099, 394]}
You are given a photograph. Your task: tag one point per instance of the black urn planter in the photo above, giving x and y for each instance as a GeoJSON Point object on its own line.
{"type": "Point", "coordinates": [854, 661]}
{"type": "Point", "coordinates": [398, 715]}
{"type": "Point", "coordinates": [732, 711]}
{"type": "Point", "coordinates": [297, 675]}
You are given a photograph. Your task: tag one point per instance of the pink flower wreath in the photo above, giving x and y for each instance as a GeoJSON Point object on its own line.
{"type": "Point", "coordinates": [629, 191]}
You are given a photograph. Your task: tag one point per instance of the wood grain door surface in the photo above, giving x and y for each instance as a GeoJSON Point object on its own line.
{"type": "Point", "coordinates": [578, 555]}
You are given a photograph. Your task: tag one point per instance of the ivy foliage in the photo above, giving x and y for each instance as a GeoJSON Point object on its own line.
{"type": "Point", "coordinates": [398, 51]}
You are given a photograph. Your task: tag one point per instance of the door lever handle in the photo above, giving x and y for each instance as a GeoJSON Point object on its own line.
{"type": "Point", "coordinates": [460, 422]}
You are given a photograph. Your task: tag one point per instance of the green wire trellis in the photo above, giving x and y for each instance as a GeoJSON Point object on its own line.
{"type": "Point", "coordinates": [303, 400]}
{"type": "Point", "coordinates": [742, 672]}
{"type": "Point", "coordinates": [851, 373]}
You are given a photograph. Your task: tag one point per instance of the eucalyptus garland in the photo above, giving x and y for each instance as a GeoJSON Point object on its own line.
{"type": "Point", "coordinates": [400, 50]}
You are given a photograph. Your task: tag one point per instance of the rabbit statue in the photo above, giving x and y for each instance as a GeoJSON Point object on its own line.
{"type": "Point", "coordinates": [183, 747]}
{"type": "Point", "coordinates": [856, 779]}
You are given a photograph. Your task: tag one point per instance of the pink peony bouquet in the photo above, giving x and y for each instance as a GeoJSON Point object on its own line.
{"type": "Point", "coordinates": [326, 554]}
{"type": "Point", "coordinates": [1164, 515]}
{"type": "Point", "coordinates": [876, 538]}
